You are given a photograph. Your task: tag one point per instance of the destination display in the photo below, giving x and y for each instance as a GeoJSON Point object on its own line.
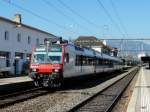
{"type": "Point", "coordinates": [40, 49]}
{"type": "Point", "coordinates": [55, 49]}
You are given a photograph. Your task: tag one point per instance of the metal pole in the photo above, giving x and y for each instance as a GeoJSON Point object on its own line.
{"type": "Point", "coordinates": [47, 46]}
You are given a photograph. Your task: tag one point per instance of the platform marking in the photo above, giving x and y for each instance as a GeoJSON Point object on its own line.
{"type": "Point", "coordinates": [140, 99]}
{"type": "Point", "coordinates": [145, 96]}
{"type": "Point", "coordinates": [137, 95]}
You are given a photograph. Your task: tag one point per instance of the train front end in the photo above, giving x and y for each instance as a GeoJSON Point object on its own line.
{"type": "Point", "coordinates": [46, 66]}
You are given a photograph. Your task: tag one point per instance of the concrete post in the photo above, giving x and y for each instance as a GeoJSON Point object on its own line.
{"type": "Point", "coordinates": [12, 59]}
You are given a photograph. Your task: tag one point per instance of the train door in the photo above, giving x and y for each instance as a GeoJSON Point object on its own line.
{"type": "Point", "coordinates": [78, 65]}
{"type": "Point", "coordinates": [68, 67]}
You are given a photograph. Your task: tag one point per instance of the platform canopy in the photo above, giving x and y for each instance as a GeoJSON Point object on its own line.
{"type": "Point", "coordinates": [145, 58]}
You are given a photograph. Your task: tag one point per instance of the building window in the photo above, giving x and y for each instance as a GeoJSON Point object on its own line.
{"type": "Point", "coordinates": [29, 39]}
{"type": "Point", "coordinates": [18, 55]}
{"type": "Point", "coordinates": [6, 35]}
{"type": "Point", "coordinates": [19, 37]}
{"type": "Point", "coordinates": [37, 41]}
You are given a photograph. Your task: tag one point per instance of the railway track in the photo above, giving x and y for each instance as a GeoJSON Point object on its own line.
{"type": "Point", "coordinates": [10, 99]}
{"type": "Point", "coordinates": [20, 96]}
{"type": "Point", "coordinates": [17, 97]}
{"type": "Point", "coordinates": [104, 100]}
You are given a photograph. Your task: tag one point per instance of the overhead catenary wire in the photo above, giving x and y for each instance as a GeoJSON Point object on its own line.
{"type": "Point", "coordinates": [77, 14]}
{"type": "Point", "coordinates": [66, 16]}
{"type": "Point", "coordinates": [110, 17]}
{"type": "Point", "coordinates": [38, 16]}
{"type": "Point", "coordinates": [118, 17]}
{"type": "Point", "coordinates": [121, 24]}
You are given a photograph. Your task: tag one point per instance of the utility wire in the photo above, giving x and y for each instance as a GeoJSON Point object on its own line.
{"type": "Point", "coordinates": [118, 17]}
{"type": "Point", "coordinates": [66, 16]}
{"type": "Point", "coordinates": [77, 14]}
{"type": "Point", "coordinates": [38, 16]}
{"type": "Point", "coordinates": [110, 17]}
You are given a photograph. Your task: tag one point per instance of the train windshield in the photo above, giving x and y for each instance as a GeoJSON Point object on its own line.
{"type": "Point", "coordinates": [52, 56]}
{"type": "Point", "coordinates": [39, 57]}
{"type": "Point", "coordinates": [55, 57]}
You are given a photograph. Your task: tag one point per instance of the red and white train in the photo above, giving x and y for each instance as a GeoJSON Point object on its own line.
{"type": "Point", "coordinates": [51, 64]}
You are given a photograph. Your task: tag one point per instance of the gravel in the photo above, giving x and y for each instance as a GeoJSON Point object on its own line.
{"type": "Point", "coordinates": [56, 102]}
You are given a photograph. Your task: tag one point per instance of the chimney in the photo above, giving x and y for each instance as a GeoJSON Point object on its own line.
{"type": "Point", "coordinates": [17, 18]}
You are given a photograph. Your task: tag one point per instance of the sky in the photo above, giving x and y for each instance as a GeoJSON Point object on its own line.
{"type": "Point", "coordinates": [72, 18]}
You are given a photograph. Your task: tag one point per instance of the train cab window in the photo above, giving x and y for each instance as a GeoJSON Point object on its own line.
{"type": "Point", "coordinates": [66, 58]}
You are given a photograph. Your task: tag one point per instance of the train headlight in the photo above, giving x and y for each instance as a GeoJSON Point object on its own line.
{"type": "Point", "coordinates": [56, 70]}
{"type": "Point", "coordinates": [34, 69]}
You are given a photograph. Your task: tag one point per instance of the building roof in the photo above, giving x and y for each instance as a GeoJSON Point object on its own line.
{"type": "Point", "coordinates": [27, 26]}
{"type": "Point", "coordinates": [88, 41]}
{"type": "Point", "coordinates": [108, 47]}
{"type": "Point", "coordinates": [91, 38]}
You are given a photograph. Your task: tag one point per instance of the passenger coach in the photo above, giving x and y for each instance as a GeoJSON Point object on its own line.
{"type": "Point", "coordinates": [50, 64]}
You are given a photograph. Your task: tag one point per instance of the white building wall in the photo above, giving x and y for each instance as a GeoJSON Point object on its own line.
{"type": "Point", "coordinates": [97, 48]}
{"type": "Point", "coordinates": [12, 45]}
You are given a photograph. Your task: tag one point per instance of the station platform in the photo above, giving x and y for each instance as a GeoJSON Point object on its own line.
{"type": "Point", "coordinates": [140, 99]}
{"type": "Point", "coordinates": [10, 85]}
{"type": "Point", "coordinates": [5, 81]}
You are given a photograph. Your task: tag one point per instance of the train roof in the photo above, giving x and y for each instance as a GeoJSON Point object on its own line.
{"type": "Point", "coordinates": [98, 54]}
{"type": "Point", "coordinates": [92, 53]}
{"type": "Point", "coordinates": [111, 58]}
{"type": "Point", "coordinates": [88, 52]}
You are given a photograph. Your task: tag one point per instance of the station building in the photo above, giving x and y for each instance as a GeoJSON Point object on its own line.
{"type": "Point", "coordinates": [16, 43]}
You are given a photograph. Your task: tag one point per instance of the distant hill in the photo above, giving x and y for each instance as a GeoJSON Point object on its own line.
{"type": "Point", "coordinates": [131, 47]}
